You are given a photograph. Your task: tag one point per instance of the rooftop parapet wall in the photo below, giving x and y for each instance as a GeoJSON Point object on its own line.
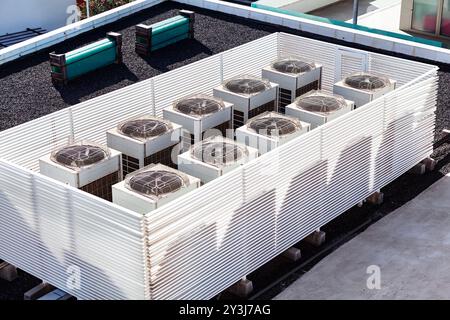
{"type": "Point", "coordinates": [61, 34]}
{"type": "Point", "coordinates": [371, 40]}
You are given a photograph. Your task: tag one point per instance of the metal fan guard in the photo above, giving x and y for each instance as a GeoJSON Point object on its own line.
{"type": "Point", "coordinates": [273, 126]}
{"type": "Point", "coordinates": [78, 156]}
{"type": "Point", "coordinates": [144, 128]}
{"type": "Point", "coordinates": [292, 65]}
{"type": "Point", "coordinates": [198, 106]}
{"type": "Point", "coordinates": [246, 85]}
{"type": "Point", "coordinates": [156, 182]}
{"type": "Point", "coordinates": [217, 153]}
{"type": "Point", "coordinates": [321, 103]}
{"type": "Point", "coordinates": [365, 81]}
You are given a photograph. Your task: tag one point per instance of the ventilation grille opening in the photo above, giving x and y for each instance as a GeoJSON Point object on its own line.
{"type": "Point", "coordinates": [292, 65]}
{"type": "Point", "coordinates": [144, 128]}
{"type": "Point", "coordinates": [80, 155]}
{"type": "Point", "coordinates": [366, 81]}
{"type": "Point", "coordinates": [199, 105]}
{"type": "Point", "coordinates": [247, 84]}
{"type": "Point", "coordinates": [321, 102]}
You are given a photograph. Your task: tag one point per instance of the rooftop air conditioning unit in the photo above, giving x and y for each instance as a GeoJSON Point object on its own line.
{"type": "Point", "coordinates": [151, 187]}
{"type": "Point", "coordinates": [318, 107]}
{"type": "Point", "coordinates": [363, 87]}
{"type": "Point", "coordinates": [295, 77]}
{"type": "Point", "coordinates": [213, 157]}
{"type": "Point", "coordinates": [198, 114]}
{"type": "Point", "coordinates": [144, 140]}
{"type": "Point", "coordinates": [249, 95]}
{"type": "Point", "coordinates": [86, 166]}
{"type": "Point", "coordinates": [270, 130]}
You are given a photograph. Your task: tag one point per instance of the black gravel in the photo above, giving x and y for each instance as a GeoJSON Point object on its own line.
{"type": "Point", "coordinates": [26, 92]}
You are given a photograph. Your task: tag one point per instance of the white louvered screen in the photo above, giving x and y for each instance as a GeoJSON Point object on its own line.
{"type": "Point", "coordinates": [203, 242]}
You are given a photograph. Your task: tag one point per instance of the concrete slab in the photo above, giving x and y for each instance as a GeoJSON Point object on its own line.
{"type": "Point", "coordinates": [411, 248]}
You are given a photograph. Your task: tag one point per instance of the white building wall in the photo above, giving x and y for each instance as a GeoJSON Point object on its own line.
{"type": "Point", "coordinates": [17, 15]}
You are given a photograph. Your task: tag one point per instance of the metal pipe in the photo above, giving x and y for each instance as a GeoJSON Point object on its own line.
{"type": "Point", "coordinates": [88, 13]}
{"type": "Point", "coordinates": [355, 11]}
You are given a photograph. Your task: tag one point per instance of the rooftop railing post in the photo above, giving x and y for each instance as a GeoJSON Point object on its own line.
{"type": "Point", "coordinates": [355, 11]}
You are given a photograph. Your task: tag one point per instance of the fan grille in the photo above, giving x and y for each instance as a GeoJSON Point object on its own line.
{"type": "Point", "coordinates": [144, 128]}
{"type": "Point", "coordinates": [217, 153]}
{"type": "Point", "coordinates": [319, 103]}
{"type": "Point", "coordinates": [273, 126]}
{"type": "Point", "coordinates": [156, 183]}
{"type": "Point", "coordinates": [246, 85]}
{"type": "Point", "coordinates": [365, 81]}
{"type": "Point", "coordinates": [80, 155]}
{"type": "Point", "coordinates": [292, 66]}
{"type": "Point", "coordinates": [198, 106]}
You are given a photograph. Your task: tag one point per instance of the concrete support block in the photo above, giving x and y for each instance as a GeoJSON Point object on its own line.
{"type": "Point", "coordinates": [38, 291]}
{"type": "Point", "coordinates": [293, 254]}
{"type": "Point", "coordinates": [317, 238]}
{"type": "Point", "coordinates": [242, 288]}
{"type": "Point", "coordinates": [429, 163]}
{"type": "Point", "coordinates": [418, 169]}
{"type": "Point", "coordinates": [8, 272]}
{"type": "Point", "coordinates": [376, 198]}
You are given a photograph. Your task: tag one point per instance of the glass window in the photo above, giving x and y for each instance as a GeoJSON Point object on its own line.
{"type": "Point", "coordinates": [445, 25]}
{"type": "Point", "coordinates": [425, 15]}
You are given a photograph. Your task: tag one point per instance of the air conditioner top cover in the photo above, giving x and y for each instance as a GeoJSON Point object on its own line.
{"type": "Point", "coordinates": [156, 181]}
{"type": "Point", "coordinates": [274, 124]}
{"type": "Point", "coordinates": [318, 101]}
{"type": "Point", "coordinates": [247, 85]}
{"type": "Point", "coordinates": [293, 65]}
{"type": "Point", "coordinates": [80, 154]}
{"type": "Point", "coordinates": [199, 105]}
{"type": "Point", "coordinates": [219, 151]}
{"type": "Point", "coordinates": [144, 128]}
{"type": "Point", "coordinates": [366, 81]}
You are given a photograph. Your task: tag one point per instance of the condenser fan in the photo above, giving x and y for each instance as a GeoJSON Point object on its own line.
{"type": "Point", "coordinates": [144, 128]}
{"type": "Point", "coordinates": [366, 81]}
{"type": "Point", "coordinates": [156, 182]}
{"type": "Point", "coordinates": [274, 125]}
{"type": "Point", "coordinates": [199, 105]}
{"type": "Point", "coordinates": [292, 65]}
{"type": "Point", "coordinates": [78, 156]}
{"type": "Point", "coordinates": [247, 85]}
{"type": "Point", "coordinates": [217, 153]}
{"type": "Point", "coordinates": [319, 102]}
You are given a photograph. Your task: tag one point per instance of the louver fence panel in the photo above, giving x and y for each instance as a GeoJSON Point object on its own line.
{"type": "Point", "coordinates": [201, 243]}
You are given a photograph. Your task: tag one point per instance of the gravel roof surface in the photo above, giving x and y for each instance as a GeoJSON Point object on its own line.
{"type": "Point", "coordinates": [26, 92]}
